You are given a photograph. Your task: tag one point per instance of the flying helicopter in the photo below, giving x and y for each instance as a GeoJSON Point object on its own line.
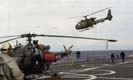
{"type": "Point", "coordinates": [29, 57]}
{"type": "Point", "coordinates": [89, 23]}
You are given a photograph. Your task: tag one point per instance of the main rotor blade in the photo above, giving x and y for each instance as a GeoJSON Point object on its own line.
{"type": "Point", "coordinates": [60, 36]}
{"type": "Point", "coordinates": [10, 40]}
{"type": "Point", "coordinates": [64, 47]}
{"type": "Point", "coordinates": [69, 48]}
{"type": "Point", "coordinates": [91, 13]}
{"type": "Point", "coordinates": [9, 36]}
{"type": "Point", "coordinates": [98, 11]}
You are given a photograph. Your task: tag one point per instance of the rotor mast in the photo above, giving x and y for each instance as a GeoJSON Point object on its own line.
{"type": "Point", "coordinates": [29, 37]}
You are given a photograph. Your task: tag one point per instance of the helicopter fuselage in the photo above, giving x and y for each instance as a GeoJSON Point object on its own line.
{"type": "Point", "coordinates": [85, 23]}
{"type": "Point", "coordinates": [89, 23]}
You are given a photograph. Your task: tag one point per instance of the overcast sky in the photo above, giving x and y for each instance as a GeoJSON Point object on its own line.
{"type": "Point", "coordinates": [53, 17]}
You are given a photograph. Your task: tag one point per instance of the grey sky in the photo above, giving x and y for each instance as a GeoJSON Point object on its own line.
{"type": "Point", "coordinates": [52, 17]}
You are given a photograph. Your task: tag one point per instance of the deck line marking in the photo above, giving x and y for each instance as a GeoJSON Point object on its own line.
{"type": "Point", "coordinates": [116, 78]}
{"type": "Point", "coordinates": [90, 77]}
{"type": "Point", "coordinates": [109, 72]}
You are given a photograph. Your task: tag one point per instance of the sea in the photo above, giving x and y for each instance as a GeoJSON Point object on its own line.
{"type": "Point", "coordinates": [97, 54]}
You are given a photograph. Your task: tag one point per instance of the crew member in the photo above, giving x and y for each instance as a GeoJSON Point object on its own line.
{"type": "Point", "coordinates": [122, 55]}
{"type": "Point", "coordinates": [9, 69]}
{"type": "Point", "coordinates": [112, 58]}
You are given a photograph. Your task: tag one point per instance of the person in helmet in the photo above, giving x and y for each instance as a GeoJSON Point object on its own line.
{"type": "Point", "coordinates": [9, 69]}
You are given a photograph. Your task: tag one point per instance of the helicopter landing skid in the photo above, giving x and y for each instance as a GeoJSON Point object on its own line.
{"type": "Point", "coordinates": [85, 29]}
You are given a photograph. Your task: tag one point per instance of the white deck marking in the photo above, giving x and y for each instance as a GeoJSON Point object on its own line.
{"type": "Point", "coordinates": [43, 77]}
{"type": "Point", "coordinates": [123, 62]}
{"type": "Point", "coordinates": [116, 78]}
{"type": "Point", "coordinates": [77, 75]}
{"type": "Point", "coordinates": [94, 67]}
{"type": "Point", "coordinates": [87, 69]}
{"type": "Point", "coordinates": [83, 65]}
{"type": "Point", "coordinates": [109, 72]}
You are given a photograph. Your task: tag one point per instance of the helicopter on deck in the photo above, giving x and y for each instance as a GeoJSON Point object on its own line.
{"type": "Point", "coordinates": [29, 56]}
{"type": "Point", "coordinates": [89, 23]}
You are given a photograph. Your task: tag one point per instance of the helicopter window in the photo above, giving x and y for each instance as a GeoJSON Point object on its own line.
{"type": "Point", "coordinates": [29, 50]}
{"type": "Point", "coordinates": [82, 23]}
{"type": "Point", "coordinates": [78, 24]}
